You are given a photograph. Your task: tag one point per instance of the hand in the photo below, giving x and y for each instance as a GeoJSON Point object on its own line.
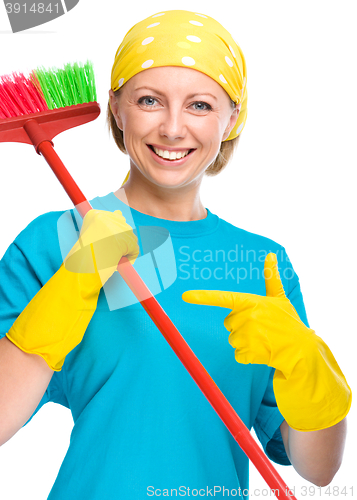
{"type": "Point", "coordinates": [104, 239]}
{"type": "Point", "coordinates": [310, 389]}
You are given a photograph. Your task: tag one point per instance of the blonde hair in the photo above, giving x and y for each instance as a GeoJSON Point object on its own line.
{"type": "Point", "coordinates": [224, 155]}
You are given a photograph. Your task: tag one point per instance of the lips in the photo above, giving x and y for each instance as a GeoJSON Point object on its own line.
{"type": "Point", "coordinates": [167, 152]}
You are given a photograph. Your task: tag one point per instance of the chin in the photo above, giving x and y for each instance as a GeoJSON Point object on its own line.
{"type": "Point", "coordinates": [175, 182]}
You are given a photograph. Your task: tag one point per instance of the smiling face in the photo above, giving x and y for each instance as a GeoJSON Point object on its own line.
{"type": "Point", "coordinates": [173, 120]}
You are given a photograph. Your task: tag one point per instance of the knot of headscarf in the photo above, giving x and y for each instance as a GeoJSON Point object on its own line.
{"type": "Point", "coordinates": [190, 40]}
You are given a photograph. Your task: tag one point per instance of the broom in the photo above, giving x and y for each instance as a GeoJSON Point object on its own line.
{"type": "Point", "coordinates": [35, 109]}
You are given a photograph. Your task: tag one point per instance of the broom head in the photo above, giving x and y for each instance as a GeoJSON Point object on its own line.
{"type": "Point", "coordinates": [58, 99]}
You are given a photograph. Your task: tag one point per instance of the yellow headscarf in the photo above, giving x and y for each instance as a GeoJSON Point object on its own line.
{"type": "Point", "coordinates": [190, 40]}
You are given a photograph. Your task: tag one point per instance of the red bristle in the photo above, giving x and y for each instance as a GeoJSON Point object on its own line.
{"type": "Point", "coordinates": [18, 90]}
{"type": "Point", "coordinates": [12, 89]}
{"type": "Point", "coordinates": [3, 111]}
{"type": "Point", "coordinates": [29, 94]}
{"type": "Point", "coordinates": [23, 95]}
{"type": "Point", "coordinates": [19, 96]}
{"type": "Point", "coordinates": [36, 92]}
{"type": "Point", "coordinates": [8, 101]}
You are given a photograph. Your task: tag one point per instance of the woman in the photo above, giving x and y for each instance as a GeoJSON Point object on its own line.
{"type": "Point", "coordinates": [141, 426]}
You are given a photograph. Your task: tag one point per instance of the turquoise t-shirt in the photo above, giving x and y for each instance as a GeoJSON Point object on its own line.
{"type": "Point", "coordinates": [142, 427]}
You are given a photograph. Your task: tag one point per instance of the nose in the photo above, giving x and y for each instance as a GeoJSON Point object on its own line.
{"type": "Point", "coordinates": [173, 124]}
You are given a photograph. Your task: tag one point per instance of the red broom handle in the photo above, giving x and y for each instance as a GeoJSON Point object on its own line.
{"type": "Point", "coordinates": [197, 371]}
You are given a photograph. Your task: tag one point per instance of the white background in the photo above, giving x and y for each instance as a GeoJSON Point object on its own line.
{"type": "Point", "coordinates": [293, 177]}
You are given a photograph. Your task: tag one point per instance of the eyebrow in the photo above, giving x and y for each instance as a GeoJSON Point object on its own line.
{"type": "Point", "coordinates": [188, 97]}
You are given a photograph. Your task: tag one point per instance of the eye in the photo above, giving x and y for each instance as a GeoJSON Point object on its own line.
{"type": "Point", "coordinates": [147, 101]}
{"type": "Point", "coordinates": [201, 106]}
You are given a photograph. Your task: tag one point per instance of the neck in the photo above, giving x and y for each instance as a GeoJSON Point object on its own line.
{"type": "Point", "coordinates": [181, 204]}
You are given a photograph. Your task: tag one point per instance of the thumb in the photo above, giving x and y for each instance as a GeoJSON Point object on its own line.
{"type": "Point", "coordinates": [273, 284]}
{"type": "Point", "coordinates": [210, 298]}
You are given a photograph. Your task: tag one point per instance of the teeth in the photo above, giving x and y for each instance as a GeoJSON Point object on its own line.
{"type": "Point", "coordinates": [171, 155]}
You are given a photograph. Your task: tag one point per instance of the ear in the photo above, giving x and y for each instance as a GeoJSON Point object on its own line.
{"type": "Point", "coordinates": [114, 106]}
{"type": "Point", "coordinates": [232, 121]}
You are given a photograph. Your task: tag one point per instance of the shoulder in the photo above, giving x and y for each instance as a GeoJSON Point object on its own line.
{"type": "Point", "coordinates": [44, 240]}
{"type": "Point", "coordinates": [40, 230]}
{"type": "Point", "coordinates": [55, 230]}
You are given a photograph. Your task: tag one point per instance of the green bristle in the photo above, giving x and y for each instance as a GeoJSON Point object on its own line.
{"type": "Point", "coordinates": [74, 84]}
{"type": "Point", "coordinates": [91, 81]}
{"type": "Point", "coordinates": [71, 84]}
{"type": "Point", "coordinates": [79, 71]}
{"type": "Point", "coordinates": [55, 89]}
{"type": "Point", "coordinates": [50, 87]}
{"type": "Point", "coordinates": [62, 81]}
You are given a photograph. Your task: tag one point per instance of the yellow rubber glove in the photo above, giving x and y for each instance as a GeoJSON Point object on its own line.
{"type": "Point", "coordinates": [310, 389]}
{"type": "Point", "coordinates": [55, 320]}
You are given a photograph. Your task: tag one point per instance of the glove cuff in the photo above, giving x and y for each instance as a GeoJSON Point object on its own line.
{"type": "Point", "coordinates": [55, 320]}
{"type": "Point", "coordinates": [316, 395]}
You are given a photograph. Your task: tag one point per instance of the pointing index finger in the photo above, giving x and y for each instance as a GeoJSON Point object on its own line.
{"type": "Point", "coordinates": [210, 298]}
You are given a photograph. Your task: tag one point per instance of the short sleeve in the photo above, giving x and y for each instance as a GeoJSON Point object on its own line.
{"type": "Point", "coordinates": [292, 287]}
{"type": "Point", "coordinates": [268, 420]}
{"type": "Point", "coordinates": [19, 283]}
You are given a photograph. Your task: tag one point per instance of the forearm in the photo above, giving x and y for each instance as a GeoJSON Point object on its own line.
{"type": "Point", "coordinates": [315, 455]}
{"type": "Point", "coordinates": [23, 381]}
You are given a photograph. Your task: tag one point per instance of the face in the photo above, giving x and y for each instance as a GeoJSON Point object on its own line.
{"type": "Point", "coordinates": [173, 120]}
